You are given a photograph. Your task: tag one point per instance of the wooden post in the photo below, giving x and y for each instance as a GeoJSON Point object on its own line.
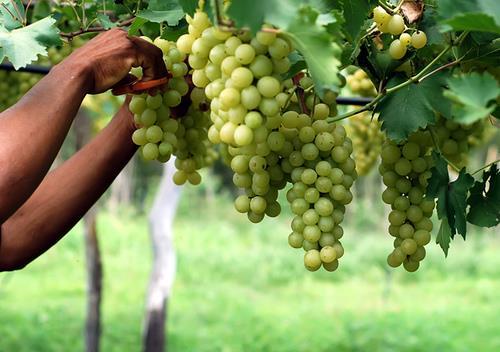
{"type": "Point", "coordinates": [163, 273]}
{"type": "Point", "coordinates": [94, 282]}
{"type": "Point", "coordinates": [93, 262]}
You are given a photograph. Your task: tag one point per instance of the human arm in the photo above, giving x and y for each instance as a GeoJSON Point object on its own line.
{"type": "Point", "coordinates": [66, 194]}
{"type": "Point", "coordinates": [32, 132]}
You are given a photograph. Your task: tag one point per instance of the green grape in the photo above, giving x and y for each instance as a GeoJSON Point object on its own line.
{"type": "Point", "coordinates": [396, 25]}
{"type": "Point", "coordinates": [418, 39]}
{"type": "Point", "coordinates": [312, 260]}
{"type": "Point", "coordinates": [397, 50]}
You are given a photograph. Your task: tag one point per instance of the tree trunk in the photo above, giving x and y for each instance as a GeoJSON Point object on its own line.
{"type": "Point", "coordinates": [94, 282]}
{"type": "Point", "coordinates": [82, 127]}
{"type": "Point", "coordinates": [163, 273]}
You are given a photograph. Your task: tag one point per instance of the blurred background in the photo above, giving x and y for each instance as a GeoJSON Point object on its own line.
{"type": "Point", "coordinates": [240, 287]}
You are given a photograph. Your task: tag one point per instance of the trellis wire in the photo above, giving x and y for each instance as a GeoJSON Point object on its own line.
{"type": "Point", "coordinates": [43, 70]}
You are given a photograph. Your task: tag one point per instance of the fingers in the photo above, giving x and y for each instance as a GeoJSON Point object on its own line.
{"type": "Point", "coordinates": [150, 58]}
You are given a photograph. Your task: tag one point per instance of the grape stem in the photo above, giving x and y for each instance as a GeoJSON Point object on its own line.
{"type": "Point", "coordinates": [71, 35]}
{"type": "Point", "coordinates": [434, 141]}
{"type": "Point", "coordinates": [14, 17]}
{"type": "Point", "coordinates": [386, 7]}
{"type": "Point", "coordinates": [486, 166]}
{"type": "Point", "coordinates": [423, 74]}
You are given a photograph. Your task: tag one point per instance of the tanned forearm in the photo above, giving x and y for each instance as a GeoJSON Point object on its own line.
{"type": "Point", "coordinates": [31, 133]}
{"type": "Point", "coordinates": [70, 190]}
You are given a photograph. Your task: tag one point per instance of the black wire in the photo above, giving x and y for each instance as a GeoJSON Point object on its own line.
{"type": "Point", "coordinates": [42, 70]}
{"type": "Point", "coordinates": [359, 101]}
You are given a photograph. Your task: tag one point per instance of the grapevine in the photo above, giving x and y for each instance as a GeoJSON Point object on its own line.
{"type": "Point", "coordinates": [258, 89]}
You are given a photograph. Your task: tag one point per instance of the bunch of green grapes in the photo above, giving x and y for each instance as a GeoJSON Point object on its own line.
{"type": "Point", "coordinates": [360, 84]}
{"type": "Point", "coordinates": [322, 173]}
{"type": "Point", "coordinates": [455, 139]}
{"type": "Point", "coordinates": [395, 25]}
{"type": "Point", "coordinates": [167, 128]}
{"type": "Point", "coordinates": [152, 113]}
{"type": "Point", "coordinates": [193, 150]}
{"type": "Point", "coordinates": [240, 76]}
{"type": "Point", "coordinates": [405, 171]}
{"type": "Point", "coordinates": [367, 139]}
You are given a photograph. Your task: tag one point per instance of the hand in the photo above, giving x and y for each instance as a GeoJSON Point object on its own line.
{"type": "Point", "coordinates": [108, 58]}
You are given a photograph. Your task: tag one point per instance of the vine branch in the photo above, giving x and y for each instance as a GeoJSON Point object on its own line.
{"type": "Point", "coordinates": [486, 166]}
{"type": "Point", "coordinates": [423, 74]}
{"type": "Point", "coordinates": [96, 29]}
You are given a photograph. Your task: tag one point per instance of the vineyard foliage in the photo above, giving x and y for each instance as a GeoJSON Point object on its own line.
{"type": "Point", "coordinates": [255, 83]}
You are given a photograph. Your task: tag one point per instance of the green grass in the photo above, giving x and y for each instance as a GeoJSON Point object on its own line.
{"type": "Point", "coordinates": [239, 287]}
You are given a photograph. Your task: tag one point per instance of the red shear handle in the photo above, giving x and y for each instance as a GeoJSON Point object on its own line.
{"type": "Point", "coordinates": [138, 87]}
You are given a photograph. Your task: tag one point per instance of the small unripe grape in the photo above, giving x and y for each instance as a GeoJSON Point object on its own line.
{"type": "Point", "coordinates": [396, 24]}
{"type": "Point", "coordinates": [397, 50]}
{"type": "Point", "coordinates": [418, 39]}
{"type": "Point", "coordinates": [405, 39]}
{"type": "Point", "coordinates": [295, 240]}
{"type": "Point", "coordinates": [268, 86]}
{"type": "Point", "coordinates": [244, 53]}
{"type": "Point", "coordinates": [312, 259]}
{"type": "Point", "coordinates": [380, 15]}
{"type": "Point", "coordinates": [410, 265]}
{"type": "Point", "coordinates": [409, 246]}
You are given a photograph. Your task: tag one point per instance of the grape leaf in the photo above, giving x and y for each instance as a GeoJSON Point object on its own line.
{"type": "Point", "coordinates": [297, 64]}
{"type": "Point", "coordinates": [355, 14]}
{"type": "Point", "coordinates": [457, 202]}
{"type": "Point", "coordinates": [253, 14]}
{"type": "Point", "coordinates": [41, 9]}
{"type": "Point", "coordinates": [189, 6]}
{"type": "Point", "coordinates": [471, 15]}
{"type": "Point", "coordinates": [169, 11]}
{"type": "Point", "coordinates": [105, 21]}
{"type": "Point", "coordinates": [439, 178]}
{"type": "Point", "coordinates": [11, 14]}
{"type": "Point", "coordinates": [443, 237]}
{"type": "Point", "coordinates": [171, 17]}
{"type": "Point", "coordinates": [452, 196]}
{"type": "Point", "coordinates": [484, 201]}
{"type": "Point", "coordinates": [412, 107]}
{"type": "Point", "coordinates": [136, 25]}
{"type": "Point", "coordinates": [316, 46]}
{"type": "Point", "coordinates": [472, 95]}
{"type": "Point", "coordinates": [23, 45]}
{"type": "Point", "coordinates": [431, 28]}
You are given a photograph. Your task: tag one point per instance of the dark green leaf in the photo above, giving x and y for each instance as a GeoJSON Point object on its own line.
{"type": "Point", "coordinates": [470, 15]}
{"type": "Point", "coordinates": [457, 202]}
{"type": "Point", "coordinates": [452, 197]}
{"type": "Point", "coordinates": [298, 64]}
{"type": "Point", "coordinates": [412, 107]}
{"type": "Point", "coordinates": [443, 237]}
{"type": "Point", "coordinates": [439, 176]}
{"type": "Point", "coordinates": [253, 14]}
{"type": "Point", "coordinates": [355, 14]}
{"type": "Point", "coordinates": [105, 21]}
{"type": "Point", "coordinates": [136, 25]}
{"type": "Point", "coordinates": [189, 6]}
{"type": "Point", "coordinates": [472, 95]}
{"type": "Point", "coordinates": [41, 10]}
{"type": "Point", "coordinates": [484, 199]}
{"type": "Point", "coordinates": [171, 17]}
{"type": "Point", "coordinates": [317, 48]}
{"type": "Point", "coordinates": [431, 28]}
